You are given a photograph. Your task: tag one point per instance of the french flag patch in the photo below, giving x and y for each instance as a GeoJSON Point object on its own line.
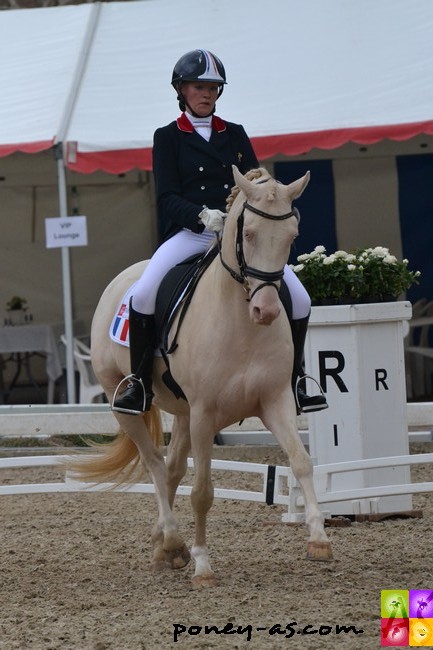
{"type": "Point", "coordinates": [121, 326]}
{"type": "Point", "coordinates": [119, 330]}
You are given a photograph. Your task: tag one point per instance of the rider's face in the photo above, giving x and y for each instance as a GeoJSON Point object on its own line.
{"type": "Point", "coordinates": [200, 96]}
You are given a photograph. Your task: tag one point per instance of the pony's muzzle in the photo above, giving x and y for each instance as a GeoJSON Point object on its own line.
{"type": "Point", "coordinates": [264, 305]}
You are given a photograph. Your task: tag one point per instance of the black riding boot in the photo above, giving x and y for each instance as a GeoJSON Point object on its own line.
{"type": "Point", "coordinates": [138, 395]}
{"type": "Point", "coordinates": [304, 403]}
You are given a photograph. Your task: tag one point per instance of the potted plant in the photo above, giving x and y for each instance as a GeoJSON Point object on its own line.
{"type": "Point", "coordinates": [363, 276]}
{"type": "Point", "coordinates": [16, 309]}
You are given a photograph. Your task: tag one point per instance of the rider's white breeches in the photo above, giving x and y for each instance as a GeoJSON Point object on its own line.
{"type": "Point", "coordinates": [184, 244]}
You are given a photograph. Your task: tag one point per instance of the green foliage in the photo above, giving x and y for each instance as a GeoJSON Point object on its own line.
{"type": "Point", "coordinates": [16, 303]}
{"type": "Point", "coordinates": [365, 275]}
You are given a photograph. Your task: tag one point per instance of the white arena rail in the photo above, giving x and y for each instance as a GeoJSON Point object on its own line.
{"type": "Point", "coordinates": [278, 483]}
{"type": "Point", "coordinates": [37, 420]}
{"type": "Point", "coordinates": [271, 479]}
{"type": "Point", "coordinates": [324, 475]}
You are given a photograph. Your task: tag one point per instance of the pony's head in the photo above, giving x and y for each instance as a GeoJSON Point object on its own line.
{"type": "Point", "coordinates": [259, 232]}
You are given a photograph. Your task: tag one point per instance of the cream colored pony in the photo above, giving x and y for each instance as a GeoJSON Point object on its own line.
{"type": "Point", "coordinates": [234, 360]}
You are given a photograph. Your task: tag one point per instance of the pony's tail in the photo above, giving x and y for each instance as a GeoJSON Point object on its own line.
{"type": "Point", "coordinates": [118, 461]}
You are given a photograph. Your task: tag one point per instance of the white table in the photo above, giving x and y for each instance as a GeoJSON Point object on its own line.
{"type": "Point", "coordinates": [20, 341]}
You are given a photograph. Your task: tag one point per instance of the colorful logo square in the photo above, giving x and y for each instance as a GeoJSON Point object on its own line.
{"type": "Point", "coordinates": [421, 603]}
{"type": "Point", "coordinates": [394, 603]}
{"type": "Point", "coordinates": [406, 618]}
{"type": "Point", "coordinates": [394, 632]}
{"type": "Point", "coordinates": [421, 632]}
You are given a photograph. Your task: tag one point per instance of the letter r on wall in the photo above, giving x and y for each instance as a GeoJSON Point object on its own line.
{"type": "Point", "coordinates": [380, 376]}
{"type": "Point", "coordinates": [334, 371]}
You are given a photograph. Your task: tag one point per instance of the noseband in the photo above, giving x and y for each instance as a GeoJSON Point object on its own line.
{"type": "Point", "coordinates": [269, 278]}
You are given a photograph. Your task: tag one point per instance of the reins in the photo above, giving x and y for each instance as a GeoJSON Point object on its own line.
{"type": "Point", "coordinates": [270, 278]}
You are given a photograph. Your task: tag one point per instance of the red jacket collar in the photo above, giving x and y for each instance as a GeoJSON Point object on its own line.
{"type": "Point", "coordinates": [184, 124]}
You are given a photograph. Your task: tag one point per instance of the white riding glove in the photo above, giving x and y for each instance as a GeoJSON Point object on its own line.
{"type": "Point", "coordinates": [212, 219]}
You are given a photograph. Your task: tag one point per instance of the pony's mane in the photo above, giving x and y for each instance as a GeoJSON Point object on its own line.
{"type": "Point", "coordinates": [252, 175]}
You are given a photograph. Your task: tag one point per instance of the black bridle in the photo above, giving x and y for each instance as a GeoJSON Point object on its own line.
{"type": "Point", "coordinates": [269, 278]}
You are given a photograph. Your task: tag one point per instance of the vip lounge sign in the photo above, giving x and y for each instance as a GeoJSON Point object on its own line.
{"type": "Point", "coordinates": [66, 232]}
{"type": "Point", "coordinates": [357, 353]}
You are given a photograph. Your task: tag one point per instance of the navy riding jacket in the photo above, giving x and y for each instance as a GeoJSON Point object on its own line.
{"type": "Point", "coordinates": [191, 173]}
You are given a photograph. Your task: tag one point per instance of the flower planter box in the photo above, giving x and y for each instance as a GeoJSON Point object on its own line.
{"type": "Point", "coordinates": [356, 351]}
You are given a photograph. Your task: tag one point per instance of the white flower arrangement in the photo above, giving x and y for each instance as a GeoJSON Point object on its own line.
{"type": "Point", "coordinates": [365, 275]}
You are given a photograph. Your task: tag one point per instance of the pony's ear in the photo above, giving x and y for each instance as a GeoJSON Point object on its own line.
{"type": "Point", "coordinates": [296, 188]}
{"type": "Point", "coordinates": [243, 183]}
{"type": "Point", "coordinates": [236, 175]}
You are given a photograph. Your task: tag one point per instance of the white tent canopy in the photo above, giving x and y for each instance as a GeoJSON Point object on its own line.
{"type": "Point", "coordinates": [301, 74]}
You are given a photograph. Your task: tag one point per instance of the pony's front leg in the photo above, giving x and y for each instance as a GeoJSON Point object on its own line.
{"type": "Point", "coordinates": [177, 455]}
{"type": "Point", "coordinates": [201, 501]}
{"type": "Point", "coordinates": [319, 546]}
{"type": "Point", "coordinates": [283, 426]}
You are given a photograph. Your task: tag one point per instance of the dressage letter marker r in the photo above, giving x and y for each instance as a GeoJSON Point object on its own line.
{"type": "Point", "coordinates": [332, 372]}
{"type": "Point", "coordinates": [380, 376]}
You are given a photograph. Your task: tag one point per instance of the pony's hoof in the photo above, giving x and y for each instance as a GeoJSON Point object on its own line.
{"type": "Point", "coordinates": [180, 558]}
{"type": "Point", "coordinates": [176, 559]}
{"type": "Point", "coordinates": [204, 581]}
{"type": "Point", "coordinates": [156, 566]}
{"type": "Point", "coordinates": [319, 551]}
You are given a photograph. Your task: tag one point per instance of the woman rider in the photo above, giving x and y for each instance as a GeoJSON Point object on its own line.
{"type": "Point", "coordinates": [192, 165]}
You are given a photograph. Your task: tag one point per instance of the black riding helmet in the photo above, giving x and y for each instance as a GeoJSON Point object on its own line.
{"type": "Point", "coordinates": [197, 65]}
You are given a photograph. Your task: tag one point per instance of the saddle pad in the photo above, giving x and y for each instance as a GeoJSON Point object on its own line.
{"type": "Point", "coordinates": [119, 329]}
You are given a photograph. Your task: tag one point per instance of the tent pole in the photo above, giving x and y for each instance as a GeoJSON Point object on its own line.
{"type": "Point", "coordinates": [61, 179]}
{"type": "Point", "coordinates": [66, 278]}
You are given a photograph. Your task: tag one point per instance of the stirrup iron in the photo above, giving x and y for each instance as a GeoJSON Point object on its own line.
{"type": "Point", "coordinates": [322, 394]}
{"type": "Point", "coordinates": [130, 379]}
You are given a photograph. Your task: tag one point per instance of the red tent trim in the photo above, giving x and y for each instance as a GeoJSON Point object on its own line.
{"type": "Point", "coordinates": [113, 162]}
{"type": "Point", "coordinates": [28, 147]}
{"type": "Point", "coordinates": [121, 161]}
{"type": "Point", "coordinates": [299, 143]}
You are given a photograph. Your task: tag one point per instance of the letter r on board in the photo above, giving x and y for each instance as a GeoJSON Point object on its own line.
{"type": "Point", "coordinates": [334, 371]}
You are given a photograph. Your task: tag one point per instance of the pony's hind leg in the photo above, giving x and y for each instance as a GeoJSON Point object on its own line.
{"type": "Point", "coordinates": [169, 548]}
{"type": "Point", "coordinates": [286, 432]}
